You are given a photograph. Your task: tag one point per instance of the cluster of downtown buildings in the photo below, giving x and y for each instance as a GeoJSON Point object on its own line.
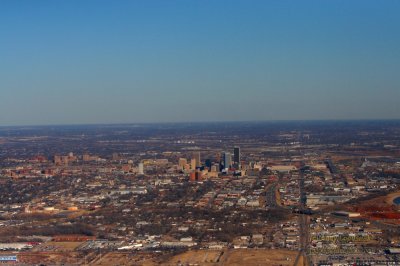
{"type": "Point", "coordinates": [294, 191]}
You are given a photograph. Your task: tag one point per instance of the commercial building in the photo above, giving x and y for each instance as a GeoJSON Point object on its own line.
{"type": "Point", "coordinates": [236, 155]}
{"type": "Point", "coordinates": [182, 163]}
{"type": "Point", "coordinates": [193, 164]}
{"type": "Point", "coordinates": [196, 156]}
{"type": "Point", "coordinates": [227, 160]}
{"type": "Point", "coordinates": [140, 169]}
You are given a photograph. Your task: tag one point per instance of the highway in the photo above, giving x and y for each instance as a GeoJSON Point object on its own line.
{"type": "Point", "coordinates": [270, 196]}
{"type": "Point", "coordinates": [303, 223]}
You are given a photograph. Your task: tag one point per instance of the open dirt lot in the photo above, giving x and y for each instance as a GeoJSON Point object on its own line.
{"type": "Point", "coordinates": [57, 246]}
{"type": "Point", "coordinates": [124, 258]}
{"type": "Point", "coordinates": [201, 257]}
{"type": "Point", "coordinates": [50, 258]}
{"type": "Point", "coordinates": [255, 257]}
{"type": "Point", "coordinates": [248, 257]}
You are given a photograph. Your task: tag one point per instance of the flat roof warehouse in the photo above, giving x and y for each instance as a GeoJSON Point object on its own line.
{"type": "Point", "coordinates": [8, 258]}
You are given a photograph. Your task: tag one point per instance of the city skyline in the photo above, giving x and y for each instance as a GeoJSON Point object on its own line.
{"type": "Point", "coordinates": [97, 62]}
{"type": "Point", "coordinates": [290, 194]}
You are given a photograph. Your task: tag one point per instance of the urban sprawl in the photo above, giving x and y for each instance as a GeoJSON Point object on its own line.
{"type": "Point", "coordinates": [283, 193]}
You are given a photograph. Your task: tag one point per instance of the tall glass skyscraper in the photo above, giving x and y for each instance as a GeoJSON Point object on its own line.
{"type": "Point", "coordinates": [236, 155]}
{"type": "Point", "coordinates": [227, 160]}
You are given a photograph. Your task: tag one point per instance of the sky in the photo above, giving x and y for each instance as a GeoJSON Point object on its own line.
{"type": "Point", "coordinates": [95, 61]}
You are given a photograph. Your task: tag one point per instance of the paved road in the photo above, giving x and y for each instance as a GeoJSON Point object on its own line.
{"type": "Point", "coordinates": [303, 223]}
{"type": "Point", "coordinates": [270, 196]}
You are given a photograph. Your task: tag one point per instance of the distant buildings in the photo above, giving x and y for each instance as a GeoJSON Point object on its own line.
{"type": "Point", "coordinates": [87, 158]}
{"type": "Point", "coordinates": [65, 159]}
{"type": "Point", "coordinates": [115, 156]}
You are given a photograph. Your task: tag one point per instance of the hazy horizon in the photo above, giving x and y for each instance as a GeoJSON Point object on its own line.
{"type": "Point", "coordinates": [126, 62]}
{"type": "Point", "coordinates": [282, 121]}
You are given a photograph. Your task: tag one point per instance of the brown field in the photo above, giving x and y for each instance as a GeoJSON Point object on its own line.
{"type": "Point", "coordinates": [79, 213]}
{"type": "Point", "coordinates": [58, 246]}
{"type": "Point", "coordinates": [201, 257]}
{"type": "Point", "coordinates": [65, 245]}
{"type": "Point", "coordinates": [124, 258]}
{"type": "Point", "coordinates": [52, 253]}
{"type": "Point", "coordinates": [255, 257]}
{"type": "Point", "coordinates": [248, 257]}
{"type": "Point", "coordinates": [50, 258]}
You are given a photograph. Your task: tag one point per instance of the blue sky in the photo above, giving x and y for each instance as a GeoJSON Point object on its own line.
{"type": "Point", "coordinates": [73, 62]}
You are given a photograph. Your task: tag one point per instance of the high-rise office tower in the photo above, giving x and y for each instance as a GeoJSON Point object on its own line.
{"type": "Point", "coordinates": [227, 160]}
{"type": "Point", "coordinates": [196, 156]}
{"type": "Point", "coordinates": [218, 157]}
{"type": "Point", "coordinates": [193, 164]}
{"type": "Point", "coordinates": [115, 156]}
{"type": "Point", "coordinates": [140, 169]}
{"type": "Point", "coordinates": [236, 155]}
{"type": "Point", "coordinates": [182, 162]}
{"type": "Point", "coordinates": [86, 157]}
{"type": "Point", "coordinates": [208, 163]}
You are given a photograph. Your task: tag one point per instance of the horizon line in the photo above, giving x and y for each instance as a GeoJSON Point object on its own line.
{"type": "Point", "coordinates": [200, 122]}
